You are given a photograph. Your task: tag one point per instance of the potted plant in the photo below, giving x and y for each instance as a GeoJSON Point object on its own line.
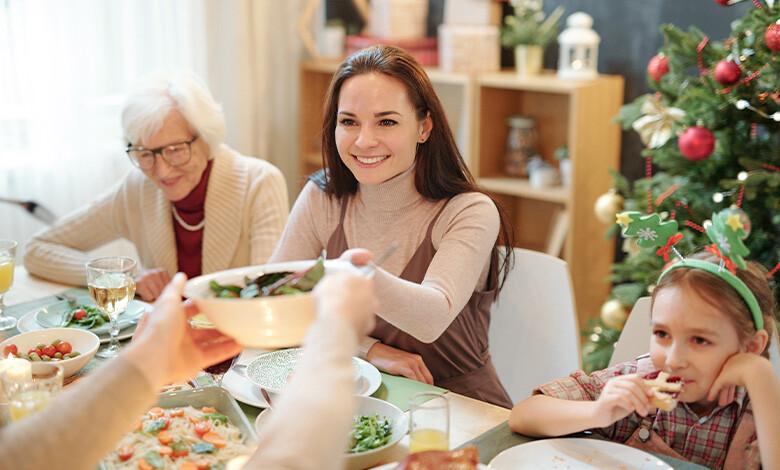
{"type": "Point", "coordinates": [529, 32]}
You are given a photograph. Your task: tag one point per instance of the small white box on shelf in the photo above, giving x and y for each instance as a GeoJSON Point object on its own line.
{"type": "Point", "coordinates": [484, 12]}
{"type": "Point", "coordinates": [469, 48]}
{"type": "Point", "coordinates": [399, 19]}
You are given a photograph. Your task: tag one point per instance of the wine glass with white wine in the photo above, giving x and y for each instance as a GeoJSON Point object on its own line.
{"type": "Point", "coordinates": [7, 256]}
{"type": "Point", "coordinates": [111, 282]}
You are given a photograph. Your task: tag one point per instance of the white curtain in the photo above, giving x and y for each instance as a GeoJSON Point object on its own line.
{"type": "Point", "coordinates": [66, 64]}
{"type": "Point", "coordinates": [254, 51]}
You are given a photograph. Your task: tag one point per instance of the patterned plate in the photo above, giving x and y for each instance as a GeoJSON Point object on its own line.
{"type": "Point", "coordinates": [271, 370]}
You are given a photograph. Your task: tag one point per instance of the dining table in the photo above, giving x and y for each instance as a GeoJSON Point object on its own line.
{"type": "Point", "coordinates": [472, 422]}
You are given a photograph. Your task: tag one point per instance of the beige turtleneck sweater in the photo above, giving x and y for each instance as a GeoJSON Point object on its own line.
{"type": "Point", "coordinates": [246, 208]}
{"type": "Point", "coordinates": [391, 211]}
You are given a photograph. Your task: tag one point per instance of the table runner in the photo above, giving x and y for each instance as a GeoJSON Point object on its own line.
{"type": "Point", "coordinates": [397, 390]}
{"type": "Point", "coordinates": [496, 440]}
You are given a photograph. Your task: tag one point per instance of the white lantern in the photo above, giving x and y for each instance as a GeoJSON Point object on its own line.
{"type": "Point", "coordinates": [579, 48]}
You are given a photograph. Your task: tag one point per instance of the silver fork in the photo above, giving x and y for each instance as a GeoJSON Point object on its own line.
{"type": "Point", "coordinates": [68, 315]}
{"type": "Point", "coordinates": [369, 268]}
{"type": "Point", "coordinates": [71, 300]}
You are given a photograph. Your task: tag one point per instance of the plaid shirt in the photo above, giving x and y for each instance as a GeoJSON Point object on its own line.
{"type": "Point", "coordinates": [703, 441]}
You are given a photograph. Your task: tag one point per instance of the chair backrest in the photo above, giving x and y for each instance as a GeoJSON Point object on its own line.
{"type": "Point", "coordinates": [533, 328]}
{"type": "Point", "coordinates": [635, 338]}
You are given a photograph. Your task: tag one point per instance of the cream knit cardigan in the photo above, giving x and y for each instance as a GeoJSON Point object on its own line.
{"type": "Point", "coordinates": [246, 209]}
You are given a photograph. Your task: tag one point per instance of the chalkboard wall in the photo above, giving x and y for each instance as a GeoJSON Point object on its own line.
{"type": "Point", "coordinates": [630, 36]}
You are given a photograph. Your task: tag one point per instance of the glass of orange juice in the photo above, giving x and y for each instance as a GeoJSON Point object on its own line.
{"type": "Point", "coordinates": [29, 391]}
{"type": "Point", "coordinates": [429, 422]}
{"type": "Point", "coordinates": [7, 257]}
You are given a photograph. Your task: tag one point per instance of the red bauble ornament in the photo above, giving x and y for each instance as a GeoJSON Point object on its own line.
{"type": "Point", "coordinates": [724, 3]}
{"type": "Point", "coordinates": [658, 67]}
{"type": "Point", "coordinates": [727, 72]}
{"type": "Point", "coordinates": [772, 37]}
{"type": "Point", "coordinates": [696, 143]}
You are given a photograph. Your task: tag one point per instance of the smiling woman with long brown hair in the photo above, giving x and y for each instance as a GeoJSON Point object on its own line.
{"type": "Point", "coordinates": [393, 173]}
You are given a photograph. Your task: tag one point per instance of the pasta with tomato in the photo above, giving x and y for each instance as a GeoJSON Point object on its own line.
{"type": "Point", "coordinates": [178, 438]}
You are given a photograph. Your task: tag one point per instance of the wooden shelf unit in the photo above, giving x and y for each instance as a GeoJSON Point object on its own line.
{"type": "Point", "coordinates": [567, 112]}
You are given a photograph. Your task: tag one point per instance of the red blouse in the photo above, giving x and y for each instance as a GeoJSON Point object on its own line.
{"type": "Point", "coordinates": [189, 245]}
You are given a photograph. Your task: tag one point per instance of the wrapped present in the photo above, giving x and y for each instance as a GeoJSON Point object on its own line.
{"type": "Point", "coordinates": [399, 19]}
{"type": "Point", "coordinates": [424, 49]}
{"type": "Point", "coordinates": [481, 12]}
{"type": "Point", "coordinates": [469, 48]}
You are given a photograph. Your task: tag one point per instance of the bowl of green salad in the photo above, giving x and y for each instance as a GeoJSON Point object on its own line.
{"type": "Point", "coordinates": [268, 306]}
{"type": "Point", "coordinates": [377, 427]}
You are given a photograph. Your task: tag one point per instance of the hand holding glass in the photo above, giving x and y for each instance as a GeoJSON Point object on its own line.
{"type": "Point", "coordinates": [429, 422]}
{"type": "Point", "coordinates": [7, 257]}
{"type": "Point", "coordinates": [28, 392]}
{"type": "Point", "coordinates": [111, 282]}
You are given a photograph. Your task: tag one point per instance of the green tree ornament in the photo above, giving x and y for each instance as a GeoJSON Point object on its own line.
{"type": "Point", "coordinates": [727, 239]}
{"type": "Point", "coordinates": [649, 229]}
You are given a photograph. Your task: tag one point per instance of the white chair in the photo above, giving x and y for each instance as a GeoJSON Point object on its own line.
{"type": "Point", "coordinates": [635, 338]}
{"type": "Point", "coordinates": [533, 328]}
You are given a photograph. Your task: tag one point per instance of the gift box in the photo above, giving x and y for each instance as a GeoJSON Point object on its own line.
{"type": "Point", "coordinates": [469, 48]}
{"type": "Point", "coordinates": [423, 49]}
{"type": "Point", "coordinates": [479, 12]}
{"type": "Point", "coordinates": [399, 19]}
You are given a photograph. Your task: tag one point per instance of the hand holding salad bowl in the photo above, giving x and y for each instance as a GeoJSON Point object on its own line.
{"type": "Point", "coordinates": [268, 306]}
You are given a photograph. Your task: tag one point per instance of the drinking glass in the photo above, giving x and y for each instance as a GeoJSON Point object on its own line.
{"type": "Point", "coordinates": [7, 257]}
{"type": "Point", "coordinates": [217, 371]}
{"type": "Point", "coordinates": [429, 422]}
{"type": "Point", "coordinates": [111, 282]}
{"type": "Point", "coordinates": [27, 391]}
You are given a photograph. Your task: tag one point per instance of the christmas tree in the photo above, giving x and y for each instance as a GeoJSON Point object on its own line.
{"type": "Point", "coordinates": [712, 136]}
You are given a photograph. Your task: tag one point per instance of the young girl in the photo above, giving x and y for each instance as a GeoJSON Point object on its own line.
{"type": "Point", "coordinates": [705, 332]}
{"type": "Point", "coordinates": [394, 174]}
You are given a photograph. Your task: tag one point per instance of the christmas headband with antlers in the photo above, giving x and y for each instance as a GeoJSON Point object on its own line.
{"type": "Point", "coordinates": [726, 233]}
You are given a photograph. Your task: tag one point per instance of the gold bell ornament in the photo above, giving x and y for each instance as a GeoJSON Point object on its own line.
{"type": "Point", "coordinates": [607, 205]}
{"type": "Point", "coordinates": [614, 314]}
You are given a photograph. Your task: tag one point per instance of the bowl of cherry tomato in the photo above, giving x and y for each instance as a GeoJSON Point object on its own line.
{"type": "Point", "coordinates": [70, 348]}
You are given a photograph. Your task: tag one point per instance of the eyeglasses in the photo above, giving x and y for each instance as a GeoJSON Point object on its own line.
{"type": "Point", "coordinates": [175, 154]}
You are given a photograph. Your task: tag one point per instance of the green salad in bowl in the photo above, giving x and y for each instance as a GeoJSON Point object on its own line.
{"type": "Point", "coordinates": [267, 306]}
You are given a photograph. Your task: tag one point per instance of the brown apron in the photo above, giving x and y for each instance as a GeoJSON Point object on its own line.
{"type": "Point", "coordinates": [645, 437]}
{"type": "Point", "coordinates": [459, 359]}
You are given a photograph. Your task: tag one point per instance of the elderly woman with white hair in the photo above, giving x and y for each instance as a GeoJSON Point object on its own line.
{"type": "Point", "coordinates": [195, 206]}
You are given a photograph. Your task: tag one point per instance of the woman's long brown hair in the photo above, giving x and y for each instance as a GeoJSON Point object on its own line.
{"type": "Point", "coordinates": [440, 171]}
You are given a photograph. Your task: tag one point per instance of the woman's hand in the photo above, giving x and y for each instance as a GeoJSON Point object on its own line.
{"type": "Point", "coordinates": [622, 396]}
{"type": "Point", "coordinates": [398, 362]}
{"type": "Point", "coordinates": [349, 297]}
{"type": "Point", "coordinates": [150, 283]}
{"type": "Point", "coordinates": [166, 349]}
{"type": "Point", "coordinates": [357, 256]}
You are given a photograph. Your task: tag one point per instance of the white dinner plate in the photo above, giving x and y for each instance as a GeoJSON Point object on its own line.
{"type": "Point", "coordinates": [575, 454]}
{"type": "Point", "coordinates": [27, 323]}
{"type": "Point", "coordinates": [246, 392]}
{"type": "Point", "coordinates": [392, 465]}
{"type": "Point", "coordinates": [52, 315]}
{"type": "Point", "coordinates": [272, 370]}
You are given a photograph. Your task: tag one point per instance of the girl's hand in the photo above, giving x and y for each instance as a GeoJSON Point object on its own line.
{"type": "Point", "coordinates": [398, 362]}
{"type": "Point", "coordinates": [622, 396]}
{"type": "Point", "coordinates": [735, 373]}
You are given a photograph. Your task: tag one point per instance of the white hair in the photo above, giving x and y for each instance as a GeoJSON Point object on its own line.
{"type": "Point", "coordinates": [158, 93]}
